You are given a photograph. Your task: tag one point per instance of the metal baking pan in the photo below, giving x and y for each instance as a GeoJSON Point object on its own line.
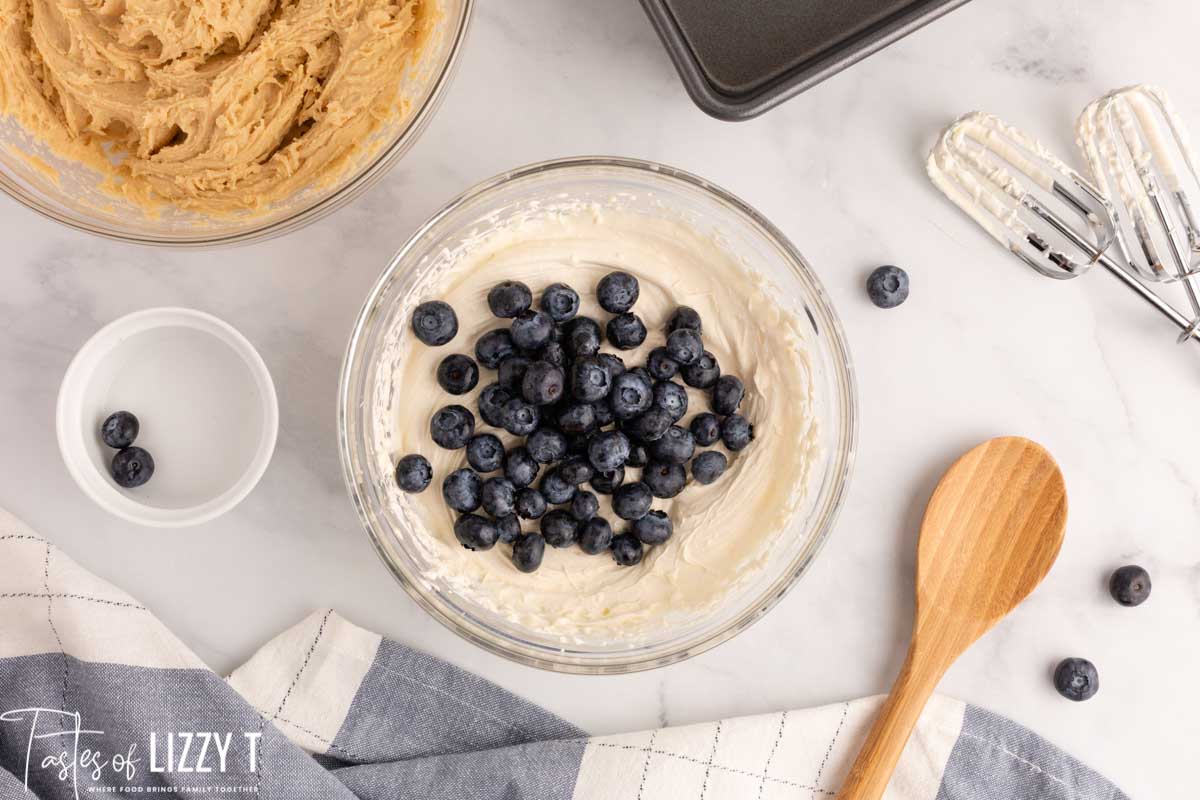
{"type": "Point", "coordinates": [739, 58]}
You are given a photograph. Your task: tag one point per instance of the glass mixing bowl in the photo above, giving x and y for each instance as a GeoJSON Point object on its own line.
{"type": "Point", "coordinates": [639, 187]}
{"type": "Point", "coordinates": [70, 193]}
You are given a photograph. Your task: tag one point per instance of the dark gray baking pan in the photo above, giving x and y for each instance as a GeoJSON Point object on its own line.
{"type": "Point", "coordinates": [739, 58]}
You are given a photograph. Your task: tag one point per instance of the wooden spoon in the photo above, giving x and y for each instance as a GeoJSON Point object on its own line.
{"type": "Point", "coordinates": [991, 532]}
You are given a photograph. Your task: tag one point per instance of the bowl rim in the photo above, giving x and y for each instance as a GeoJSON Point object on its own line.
{"type": "Point", "coordinates": [846, 449]}
{"type": "Point", "coordinates": [129, 508]}
{"type": "Point", "coordinates": [356, 184]}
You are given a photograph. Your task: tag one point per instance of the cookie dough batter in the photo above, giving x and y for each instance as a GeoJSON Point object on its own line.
{"type": "Point", "coordinates": [221, 105]}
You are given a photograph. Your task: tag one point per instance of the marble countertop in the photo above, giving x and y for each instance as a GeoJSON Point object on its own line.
{"type": "Point", "coordinates": [983, 347]}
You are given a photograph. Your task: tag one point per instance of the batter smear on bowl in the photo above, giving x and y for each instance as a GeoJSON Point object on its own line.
{"type": "Point", "coordinates": [211, 107]}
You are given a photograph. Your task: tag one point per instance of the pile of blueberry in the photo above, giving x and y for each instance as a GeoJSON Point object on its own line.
{"type": "Point", "coordinates": [584, 418]}
{"type": "Point", "coordinates": [131, 466]}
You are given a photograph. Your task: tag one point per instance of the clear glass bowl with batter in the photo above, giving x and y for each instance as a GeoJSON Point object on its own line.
{"type": "Point", "coordinates": [369, 383]}
{"type": "Point", "coordinates": [70, 193]}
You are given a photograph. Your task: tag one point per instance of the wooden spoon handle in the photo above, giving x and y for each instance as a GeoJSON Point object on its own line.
{"type": "Point", "coordinates": [877, 760]}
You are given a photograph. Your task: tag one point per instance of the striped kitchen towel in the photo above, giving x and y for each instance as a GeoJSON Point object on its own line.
{"type": "Point", "coordinates": [97, 698]}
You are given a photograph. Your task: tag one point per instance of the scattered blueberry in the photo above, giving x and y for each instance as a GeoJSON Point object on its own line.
{"type": "Point", "coordinates": [511, 373]}
{"type": "Point", "coordinates": [608, 451]}
{"type": "Point", "coordinates": [584, 506]}
{"type": "Point", "coordinates": [613, 364]}
{"type": "Point", "coordinates": [553, 353]}
{"type": "Point", "coordinates": [413, 473]}
{"type": "Point", "coordinates": [736, 432]}
{"type": "Point", "coordinates": [498, 497]}
{"type": "Point", "coordinates": [638, 457]}
{"type": "Point", "coordinates": [727, 395]}
{"type": "Point", "coordinates": [676, 446]}
{"type": "Point", "coordinates": [661, 366]}
{"type": "Point", "coordinates": [132, 467]}
{"type": "Point", "coordinates": [654, 528]}
{"type": "Point", "coordinates": [627, 550]}
{"type": "Point", "coordinates": [559, 528]}
{"type": "Point", "coordinates": [528, 551]}
{"type": "Point", "coordinates": [491, 404]}
{"type": "Point", "coordinates": [475, 532]}
{"type": "Point", "coordinates": [560, 301]}
{"type": "Point", "coordinates": [603, 413]}
{"type": "Point", "coordinates": [888, 287]}
{"type": "Point", "coordinates": [529, 504]}
{"type": "Point", "coordinates": [685, 346]}
{"type": "Point", "coordinates": [1076, 679]}
{"type": "Point", "coordinates": [1130, 585]}
{"type": "Point", "coordinates": [632, 500]}
{"type": "Point", "coordinates": [457, 374]}
{"type": "Point", "coordinates": [685, 317]}
{"type": "Point", "coordinates": [485, 453]}
{"type": "Point", "coordinates": [452, 427]}
{"type": "Point", "coordinates": [520, 467]}
{"type": "Point", "coordinates": [631, 395]}
{"type": "Point", "coordinates": [435, 323]}
{"type": "Point", "coordinates": [543, 383]}
{"type": "Point", "coordinates": [576, 470]}
{"type": "Point", "coordinates": [493, 347]}
{"type": "Point", "coordinates": [607, 482]}
{"type": "Point", "coordinates": [509, 298]}
{"type": "Point", "coordinates": [531, 330]}
{"type": "Point", "coordinates": [463, 490]}
{"type": "Point", "coordinates": [650, 426]}
{"type": "Point", "coordinates": [547, 445]}
{"type": "Point", "coordinates": [703, 373]}
{"type": "Point", "coordinates": [617, 292]}
{"type": "Point", "coordinates": [120, 430]}
{"type": "Point", "coordinates": [520, 418]}
{"type": "Point", "coordinates": [577, 418]}
{"type": "Point", "coordinates": [556, 489]}
{"type": "Point", "coordinates": [581, 337]}
{"type": "Point", "coordinates": [709, 466]}
{"type": "Point", "coordinates": [706, 429]}
{"type": "Point", "coordinates": [665, 480]}
{"type": "Point", "coordinates": [595, 536]}
{"type": "Point", "coordinates": [626, 331]}
{"type": "Point", "coordinates": [508, 528]}
{"type": "Point", "coordinates": [590, 379]}
{"type": "Point", "coordinates": [671, 398]}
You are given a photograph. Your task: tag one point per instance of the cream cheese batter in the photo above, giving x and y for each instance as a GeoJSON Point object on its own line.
{"type": "Point", "coordinates": [723, 531]}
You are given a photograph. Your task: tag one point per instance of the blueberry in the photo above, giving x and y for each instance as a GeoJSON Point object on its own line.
{"type": "Point", "coordinates": [1076, 679]}
{"type": "Point", "coordinates": [607, 482]}
{"type": "Point", "coordinates": [626, 331]}
{"type": "Point", "coordinates": [608, 451]}
{"type": "Point", "coordinates": [520, 467]}
{"type": "Point", "coordinates": [493, 347]}
{"type": "Point", "coordinates": [508, 528]}
{"type": "Point", "coordinates": [532, 330]}
{"type": "Point", "coordinates": [631, 395]}
{"type": "Point", "coordinates": [1130, 586]}
{"type": "Point", "coordinates": [413, 473]}
{"type": "Point", "coordinates": [627, 550]}
{"type": "Point", "coordinates": [709, 466]}
{"type": "Point", "coordinates": [120, 430]}
{"type": "Point", "coordinates": [888, 287]}
{"type": "Point", "coordinates": [617, 292]}
{"type": "Point", "coordinates": [452, 427]}
{"type": "Point", "coordinates": [475, 533]}
{"type": "Point", "coordinates": [457, 374]}
{"type": "Point", "coordinates": [675, 447]}
{"type": "Point", "coordinates": [654, 528]}
{"type": "Point", "coordinates": [509, 298]}
{"type": "Point", "coordinates": [685, 346]}
{"type": "Point", "coordinates": [485, 453]}
{"type": "Point", "coordinates": [491, 404]}
{"type": "Point", "coordinates": [547, 445]}
{"type": "Point", "coordinates": [529, 503]}
{"type": "Point", "coordinates": [685, 317]}
{"type": "Point", "coordinates": [543, 383]}
{"type": "Point", "coordinates": [577, 443]}
{"type": "Point", "coordinates": [642, 373]}
{"type": "Point", "coordinates": [584, 506]}
{"type": "Point", "coordinates": [595, 536]}
{"type": "Point", "coordinates": [638, 457]}
{"type": "Point", "coordinates": [581, 337]}
{"type": "Point", "coordinates": [703, 373]}
{"type": "Point", "coordinates": [665, 480]}
{"type": "Point", "coordinates": [528, 551]}
{"type": "Point", "coordinates": [727, 395]}
{"type": "Point", "coordinates": [671, 398]}
{"type": "Point", "coordinates": [576, 470]}
{"type": "Point", "coordinates": [590, 379]}
{"type": "Point", "coordinates": [498, 497]}
{"type": "Point", "coordinates": [463, 490]}
{"type": "Point", "coordinates": [131, 467]}
{"type": "Point", "coordinates": [560, 301]}
{"type": "Point", "coordinates": [737, 432]}
{"type": "Point", "coordinates": [577, 418]}
{"type": "Point", "coordinates": [520, 418]}
{"type": "Point", "coordinates": [603, 413]}
{"type": "Point", "coordinates": [559, 528]}
{"type": "Point", "coordinates": [557, 489]}
{"type": "Point", "coordinates": [632, 500]}
{"type": "Point", "coordinates": [661, 366]}
{"type": "Point", "coordinates": [612, 363]}
{"type": "Point", "coordinates": [435, 323]}
{"type": "Point", "coordinates": [706, 429]}
{"type": "Point", "coordinates": [649, 427]}
{"type": "Point", "coordinates": [511, 372]}
{"type": "Point", "coordinates": [553, 353]}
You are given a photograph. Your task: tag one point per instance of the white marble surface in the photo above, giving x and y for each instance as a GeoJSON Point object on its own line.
{"type": "Point", "coordinates": [983, 347]}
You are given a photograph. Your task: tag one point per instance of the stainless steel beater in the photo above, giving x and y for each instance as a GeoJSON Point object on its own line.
{"type": "Point", "coordinates": [1035, 205]}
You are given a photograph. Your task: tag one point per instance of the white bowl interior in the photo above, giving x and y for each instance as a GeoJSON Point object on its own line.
{"type": "Point", "coordinates": [205, 402]}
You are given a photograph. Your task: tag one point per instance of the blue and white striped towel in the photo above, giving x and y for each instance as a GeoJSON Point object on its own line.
{"type": "Point", "coordinates": [97, 697]}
